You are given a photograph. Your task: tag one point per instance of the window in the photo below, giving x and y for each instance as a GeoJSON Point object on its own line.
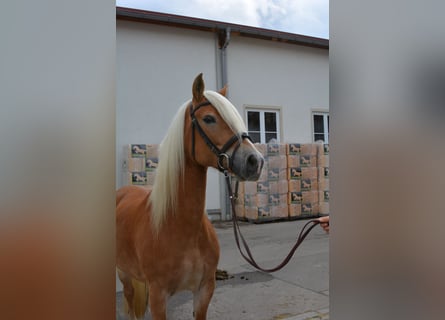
{"type": "Point", "coordinates": [321, 126]}
{"type": "Point", "coordinates": [263, 125]}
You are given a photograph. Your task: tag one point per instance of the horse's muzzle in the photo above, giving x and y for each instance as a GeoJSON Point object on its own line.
{"type": "Point", "coordinates": [248, 166]}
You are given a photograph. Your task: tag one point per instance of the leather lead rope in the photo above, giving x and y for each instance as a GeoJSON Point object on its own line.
{"type": "Point", "coordinates": [247, 255]}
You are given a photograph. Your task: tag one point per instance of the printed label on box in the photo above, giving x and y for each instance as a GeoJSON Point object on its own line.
{"type": "Point", "coordinates": [295, 197]}
{"type": "Point", "coordinates": [263, 187]}
{"type": "Point", "coordinates": [273, 174]}
{"type": "Point", "coordinates": [264, 211]}
{"type": "Point", "coordinates": [295, 173]}
{"type": "Point", "coordinates": [151, 164]}
{"type": "Point", "coordinates": [139, 178]}
{"type": "Point", "coordinates": [294, 148]}
{"type": "Point", "coordinates": [138, 150]}
{"type": "Point", "coordinates": [306, 184]}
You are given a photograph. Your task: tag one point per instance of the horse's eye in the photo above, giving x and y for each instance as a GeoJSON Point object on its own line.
{"type": "Point", "coordinates": [209, 119]}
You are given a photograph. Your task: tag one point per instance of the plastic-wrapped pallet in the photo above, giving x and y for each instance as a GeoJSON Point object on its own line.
{"type": "Point", "coordinates": [277, 178]}
{"type": "Point", "coordinates": [142, 161]}
{"type": "Point", "coordinates": [303, 179]}
{"type": "Point", "coordinates": [136, 174]}
{"type": "Point", "coordinates": [323, 184]}
{"type": "Point", "coordinates": [239, 200]}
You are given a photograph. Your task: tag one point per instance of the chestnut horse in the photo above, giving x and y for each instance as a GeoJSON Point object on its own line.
{"type": "Point", "coordinates": [165, 242]}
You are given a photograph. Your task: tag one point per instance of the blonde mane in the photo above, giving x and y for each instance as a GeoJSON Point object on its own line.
{"type": "Point", "coordinates": [172, 157]}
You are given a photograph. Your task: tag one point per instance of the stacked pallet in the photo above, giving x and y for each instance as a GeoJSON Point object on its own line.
{"type": "Point", "coordinates": [294, 181]}
{"type": "Point", "coordinates": [267, 198]}
{"type": "Point", "coordinates": [142, 162]}
{"type": "Point", "coordinates": [323, 164]}
{"type": "Point", "coordinates": [303, 179]}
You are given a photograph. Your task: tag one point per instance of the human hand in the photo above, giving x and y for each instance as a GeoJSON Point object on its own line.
{"type": "Point", "coordinates": [324, 223]}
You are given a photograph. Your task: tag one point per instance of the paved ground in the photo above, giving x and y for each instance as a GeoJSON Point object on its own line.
{"type": "Point", "coordinates": [300, 291]}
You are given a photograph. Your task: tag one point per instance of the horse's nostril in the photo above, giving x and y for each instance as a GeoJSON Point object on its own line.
{"type": "Point", "coordinates": [252, 161]}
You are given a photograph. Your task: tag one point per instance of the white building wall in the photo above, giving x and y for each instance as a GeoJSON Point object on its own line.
{"type": "Point", "coordinates": [288, 76]}
{"type": "Point", "coordinates": [156, 66]}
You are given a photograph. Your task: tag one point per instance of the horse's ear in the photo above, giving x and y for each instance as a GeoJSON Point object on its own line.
{"type": "Point", "coordinates": [223, 91]}
{"type": "Point", "coordinates": [198, 89]}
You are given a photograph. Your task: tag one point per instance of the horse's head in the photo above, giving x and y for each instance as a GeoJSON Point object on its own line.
{"type": "Point", "coordinates": [215, 134]}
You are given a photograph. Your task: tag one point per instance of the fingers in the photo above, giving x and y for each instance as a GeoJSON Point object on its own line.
{"type": "Point", "coordinates": [324, 223]}
{"type": "Point", "coordinates": [325, 226]}
{"type": "Point", "coordinates": [323, 219]}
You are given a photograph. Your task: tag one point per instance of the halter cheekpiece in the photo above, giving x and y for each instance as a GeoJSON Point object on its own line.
{"type": "Point", "coordinates": [221, 154]}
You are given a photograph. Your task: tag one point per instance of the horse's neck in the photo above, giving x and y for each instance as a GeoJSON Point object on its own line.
{"type": "Point", "coordinates": [191, 195]}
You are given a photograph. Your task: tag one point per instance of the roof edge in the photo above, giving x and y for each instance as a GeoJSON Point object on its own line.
{"type": "Point", "coordinates": [173, 20]}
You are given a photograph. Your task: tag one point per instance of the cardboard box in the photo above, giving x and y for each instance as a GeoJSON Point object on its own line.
{"type": "Point", "coordinates": [264, 173]}
{"type": "Point", "coordinates": [281, 186]}
{"type": "Point", "coordinates": [309, 173]}
{"type": "Point", "coordinates": [324, 208]}
{"type": "Point", "coordinates": [310, 197]}
{"type": "Point", "coordinates": [136, 164]}
{"type": "Point", "coordinates": [294, 210]}
{"type": "Point", "coordinates": [280, 211]}
{"type": "Point", "coordinates": [323, 184]}
{"type": "Point", "coordinates": [262, 148]}
{"type": "Point", "coordinates": [294, 185]}
{"type": "Point", "coordinates": [309, 149]}
{"type": "Point", "coordinates": [293, 161]}
{"type": "Point", "coordinates": [240, 210]}
{"type": "Point", "coordinates": [251, 213]}
{"type": "Point", "coordinates": [262, 200]}
{"type": "Point", "coordinates": [250, 200]}
{"type": "Point", "coordinates": [323, 160]}
{"type": "Point", "coordinates": [152, 150]}
{"type": "Point", "coordinates": [151, 175]}
{"type": "Point", "coordinates": [277, 162]}
{"type": "Point", "coordinates": [250, 187]}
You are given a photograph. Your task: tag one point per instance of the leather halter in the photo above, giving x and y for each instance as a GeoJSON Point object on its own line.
{"type": "Point", "coordinates": [221, 154]}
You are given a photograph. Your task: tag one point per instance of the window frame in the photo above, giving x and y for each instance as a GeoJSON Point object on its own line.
{"type": "Point", "coordinates": [262, 110]}
{"type": "Point", "coordinates": [325, 115]}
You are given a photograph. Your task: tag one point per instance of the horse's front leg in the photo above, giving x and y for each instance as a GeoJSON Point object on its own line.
{"type": "Point", "coordinates": [202, 297]}
{"type": "Point", "coordinates": [158, 302]}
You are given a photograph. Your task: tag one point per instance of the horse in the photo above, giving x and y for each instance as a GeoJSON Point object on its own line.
{"type": "Point", "coordinates": [165, 241]}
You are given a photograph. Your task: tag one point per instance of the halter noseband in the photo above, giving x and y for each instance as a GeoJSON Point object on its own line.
{"type": "Point", "coordinates": [221, 154]}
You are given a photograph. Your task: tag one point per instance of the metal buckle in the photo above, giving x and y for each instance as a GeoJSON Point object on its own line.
{"type": "Point", "coordinates": [220, 158]}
